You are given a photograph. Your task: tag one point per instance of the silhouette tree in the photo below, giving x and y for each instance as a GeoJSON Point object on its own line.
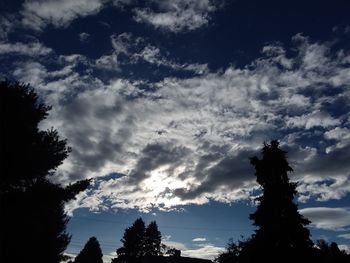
{"type": "Point", "coordinates": [173, 252]}
{"type": "Point", "coordinates": [232, 253]}
{"type": "Point", "coordinates": [133, 243]}
{"type": "Point", "coordinates": [91, 253]}
{"type": "Point", "coordinates": [281, 233]}
{"type": "Point", "coordinates": [153, 239]}
{"type": "Point", "coordinates": [139, 242]}
{"type": "Point", "coordinates": [32, 207]}
{"type": "Point", "coordinates": [329, 253]}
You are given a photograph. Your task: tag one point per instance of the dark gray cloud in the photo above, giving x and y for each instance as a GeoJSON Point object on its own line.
{"type": "Point", "coordinates": [156, 155]}
{"type": "Point", "coordinates": [232, 171]}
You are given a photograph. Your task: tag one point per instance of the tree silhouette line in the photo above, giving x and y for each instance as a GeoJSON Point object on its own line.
{"type": "Point", "coordinates": [140, 244]}
{"type": "Point", "coordinates": [33, 220]}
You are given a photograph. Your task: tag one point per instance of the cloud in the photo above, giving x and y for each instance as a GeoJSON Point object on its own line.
{"type": "Point", "coordinates": [187, 140]}
{"type": "Point", "coordinates": [316, 118]}
{"type": "Point", "coordinates": [177, 15]}
{"type": "Point", "coordinates": [137, 50]}
{"type": "Point", "coordinates": [199, 239]}
{"type": "Point", "coordinates": [345, 247]}
{"type": "Point", "coordinates": [7, 23]}
{"type": "Point", "coordinates": [33, 49]}
{"type": "Point", "coordinates": [345, 236]}
{"type": "Point", "coordinates": [37, 14]}
{"type": "Point", "coordinates": [334, 218]}
{"type": "Point", "coordinates": [152, 55]}
{"type": "Point", "coordinates": [204, 251]}
{"type": "Point", "coordinates": [84, 37]}
{"type": "Point", "coordinates": [174, 16]}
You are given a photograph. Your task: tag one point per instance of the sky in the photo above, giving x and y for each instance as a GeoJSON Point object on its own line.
{"type": "Point", "coordinates": [163, 103]}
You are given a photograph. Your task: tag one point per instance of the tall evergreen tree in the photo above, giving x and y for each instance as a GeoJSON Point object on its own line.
{"type": "Point", "coordinates": [32, 207]}
{"type": "Point", "coordinates": [153, 239]}
{"type": "Point", "coordinates": [281, 232]}
{"type": "Point", "coordinates": [91, 253]}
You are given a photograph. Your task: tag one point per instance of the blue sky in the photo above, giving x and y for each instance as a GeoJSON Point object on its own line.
{"type": "Point", "coordinates": [163, 102]}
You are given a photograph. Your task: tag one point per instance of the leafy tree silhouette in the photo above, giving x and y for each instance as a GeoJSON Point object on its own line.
{"type": "Point", "coordinates": [32, 207]}
{"type": "Point", "coordinates": [133, 243]}
{"type": "Point", "coordinates": [153, 239]}
{"type": "Point", "coordinates": [91, 253]}
{"type": "Point", "coordinates": [232, 253]}
{"type": "Point", "coordinates": [140, 242]}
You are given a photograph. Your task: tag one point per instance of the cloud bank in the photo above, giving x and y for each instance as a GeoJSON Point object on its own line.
{"type": "Point", "coordinates": [187, 140]}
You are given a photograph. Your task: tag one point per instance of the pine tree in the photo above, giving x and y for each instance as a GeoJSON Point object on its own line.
{"type": "Point", "coordinates": [91, 253]}
{"type": "Point", "coordinates": [32, 207]}
{"type": "Point", "coordinates": [153, 239]}
{"type": "Point", "coordinates": [281, 232]}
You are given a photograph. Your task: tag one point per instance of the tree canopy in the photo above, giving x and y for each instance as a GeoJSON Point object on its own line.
{"type": "Point", "coordinates": [32, 207]}
{"type": "Point", "coordinates": [153, 239]}
{"type": "Point", "coordinates": [91, 253]}
{"type": "Point", "coordinates": [139, 241]}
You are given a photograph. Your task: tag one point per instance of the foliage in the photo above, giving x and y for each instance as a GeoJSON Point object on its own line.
{"type": "Point", "coordinates": [232, 253]}
{"type": "Point", "coordinates": [328, 253]}
{"type": "Point", "coordinates": [152, 242]}
{"type": "Point", "coordinates": [139, 241]}
{"type": "Point", "coordinates": [32, 207]}
{"type": "Point", "coordinates": [91, 253]}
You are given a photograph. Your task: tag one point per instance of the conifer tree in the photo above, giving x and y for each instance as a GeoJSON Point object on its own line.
{"type": "Point", "coordinates": [281, 232]}
{"type": "Point", "coordinates": [91, 253]}
{"type": "Point", "coordinates": [33, 220]}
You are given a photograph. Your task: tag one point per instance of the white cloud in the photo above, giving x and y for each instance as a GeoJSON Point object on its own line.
{"type": "Point", "coordinates": [205, 251]}
{"type": "Point", "coordinates": [33, 49]}
{"type": "Point", "coordinates": [152, 55]}
{"type": "Point", "coordinates": [199, 239]}
{"type": "Point", "coordinates": [332, 218]}
{"type": "Point", "coordinates": [345, 236]}
{"type": "Point", "coordinates": [316, 118]}
{"type": "Point", "coordinates": [84, 37]}
{"type": "Point", "coordinates": [177, 15]}
{"type": "Point", "coordinates": [186, 141]}
{"type": "Point", "coordinates": [345, 247]}
{"type": "Point", "coordinates": [138, 50]}
{"type": "Point", "coordinates": [36, 14]}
